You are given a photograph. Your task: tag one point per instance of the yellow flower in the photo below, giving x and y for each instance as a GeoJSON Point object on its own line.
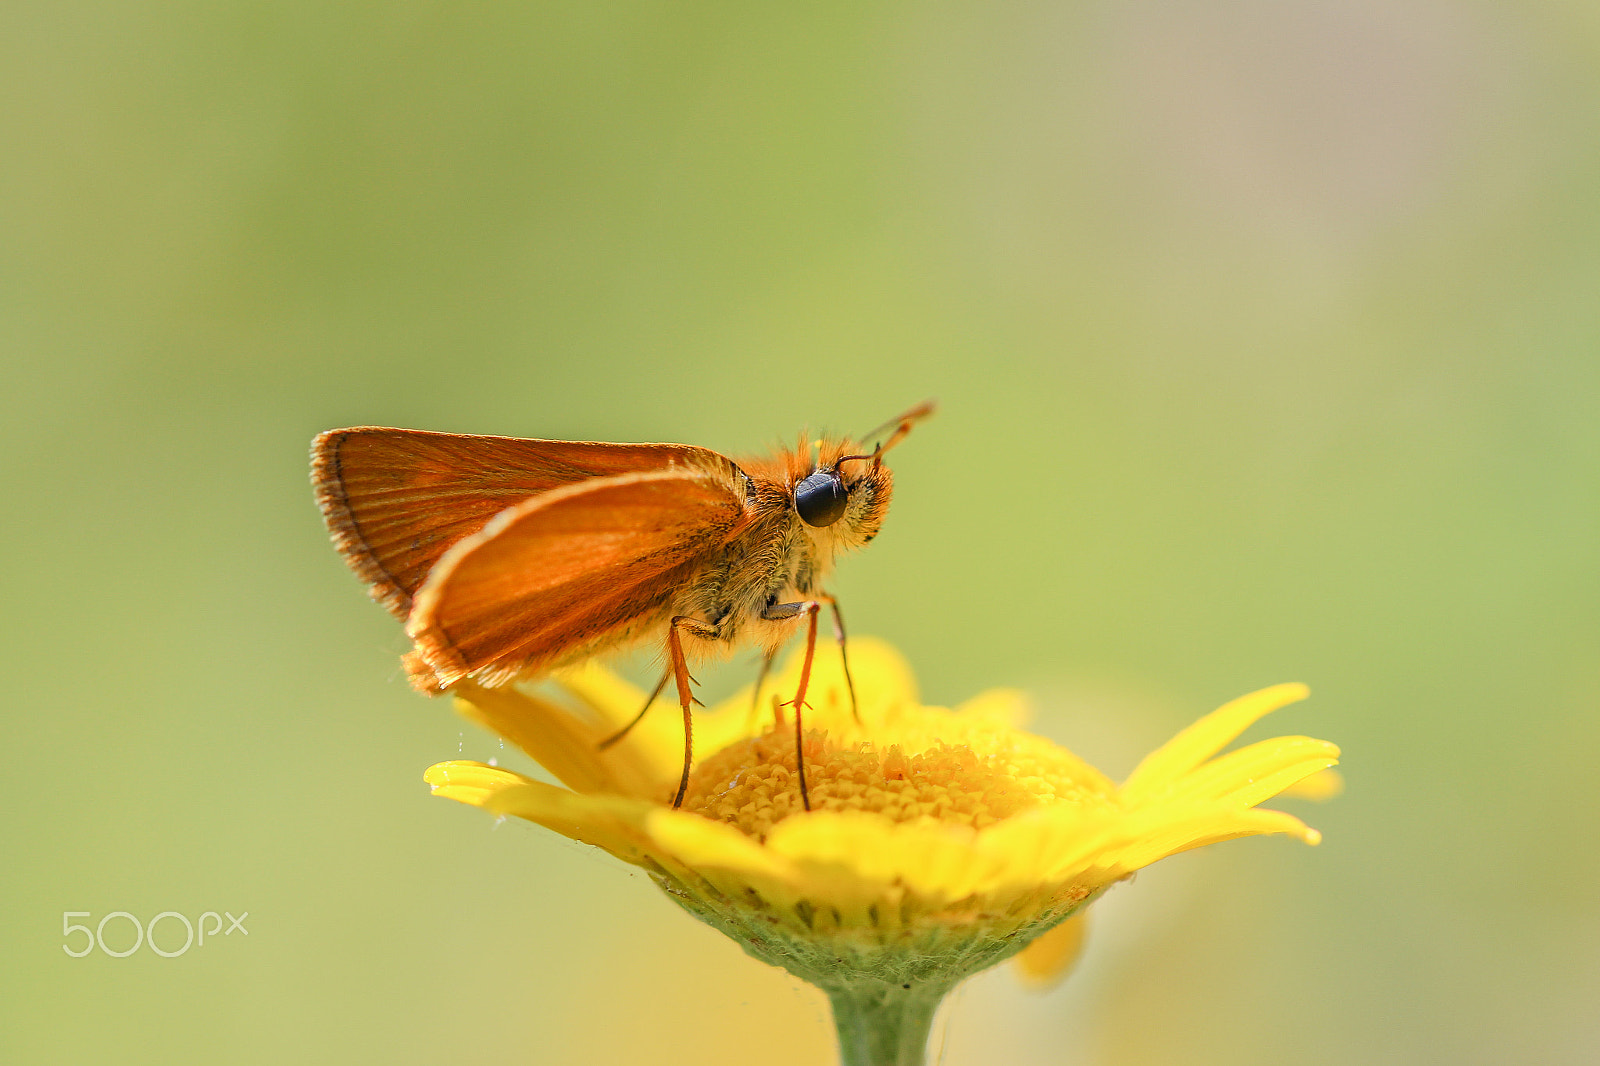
{"type": "Point", "coordinates": [938, 843]}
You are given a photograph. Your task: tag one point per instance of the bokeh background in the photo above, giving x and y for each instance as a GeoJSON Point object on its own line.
{"type": "Point", "coordinates": [1267, 336]}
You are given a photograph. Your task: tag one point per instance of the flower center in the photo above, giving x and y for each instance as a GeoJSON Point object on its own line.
{"type": "Point", "coordinates": [979, 779]}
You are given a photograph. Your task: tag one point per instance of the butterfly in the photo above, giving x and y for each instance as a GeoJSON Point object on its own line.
{"type": "Point", "coordinates": [508, 557]}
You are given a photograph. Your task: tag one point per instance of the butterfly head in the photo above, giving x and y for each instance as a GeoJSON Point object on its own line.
{"type": "Point", "coordinates": [845, 499]}
{"type": "Point", "coordinates": [846, 493]}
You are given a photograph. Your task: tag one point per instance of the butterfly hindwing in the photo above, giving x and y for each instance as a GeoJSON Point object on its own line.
{"type": "Point", "coordinates": [568, 570]}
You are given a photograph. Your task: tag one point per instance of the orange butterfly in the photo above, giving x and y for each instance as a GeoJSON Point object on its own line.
{"type": "Point", "coordinates": [508, 557]}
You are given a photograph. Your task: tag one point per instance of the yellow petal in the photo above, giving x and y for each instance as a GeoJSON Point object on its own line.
{"type": "Point", "coordinates": [469, 782]}
{"type": "Point", "coordinates": [1255, 773]}
{"type": "Point", "coordinates": [1006, 707]}
{"type": "Point", "coordinates": [1205, 738]}
{"type": "Point", "coordinates": [861, 853]}
{"type": "Point", "coordinates": [882, 679]}
{"type": "Point", "coordinates": [721, 856]}
{"type": "Point", "coordinates": [614, 823]}
{"type": "Point", "coordinates": [1045, 961]}
{"type": "Point", "coordinates": [1159, 835]}
{"type": "Point", "coordinates": [563, 742]}
{"type": "Point", "coordinates": [1045, 846]}
{"type": "Point", "coordinates": [655, 744]}
{"type": "Point", "coordinates": [1320, 786]}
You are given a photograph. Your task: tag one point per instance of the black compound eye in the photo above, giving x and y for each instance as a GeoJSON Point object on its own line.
{"type": "Point", "coordinates": [821, 498]}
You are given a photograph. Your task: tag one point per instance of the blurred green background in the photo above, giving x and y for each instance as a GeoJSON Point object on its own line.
{"type": "Point", "coordinates": [1267, 337]}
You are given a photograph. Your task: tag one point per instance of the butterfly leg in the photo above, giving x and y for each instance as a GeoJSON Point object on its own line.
{"type": "Point", "coordinates": [625, 730]}
{"type": "Point", "coordinates": [679, 668]}
{"type": "Point", "coordinates": [778, 612]}
{"type": "Point", "coordinates": [844, 655]}
{"type": "Point", "coordinates": [761, 679]}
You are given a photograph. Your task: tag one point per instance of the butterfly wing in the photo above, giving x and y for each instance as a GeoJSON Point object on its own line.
{"type": "Point", "coordinates": [395, 500]}
{"type": "Point", "coordinates": [570, 571]}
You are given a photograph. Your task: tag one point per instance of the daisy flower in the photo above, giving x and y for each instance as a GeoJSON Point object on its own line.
{"type": "Point", "coordinates": [938, 841]}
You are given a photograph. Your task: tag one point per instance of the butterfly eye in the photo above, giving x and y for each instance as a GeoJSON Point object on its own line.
{"type": "Point", "coordinates": [820, 498]}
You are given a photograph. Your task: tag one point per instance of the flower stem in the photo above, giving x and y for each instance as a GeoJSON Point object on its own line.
{"type": "Point", "coordinates": [883, 1024]}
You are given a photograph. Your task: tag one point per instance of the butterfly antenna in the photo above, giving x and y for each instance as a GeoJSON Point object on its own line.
{"type": "Point", "coordinates": [901, 424]}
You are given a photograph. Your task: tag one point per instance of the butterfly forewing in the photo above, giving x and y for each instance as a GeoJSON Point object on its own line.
{"type": "Point", "coordinates": [397, 499]}
{"type": "Point", "coordinates": [569, 569]}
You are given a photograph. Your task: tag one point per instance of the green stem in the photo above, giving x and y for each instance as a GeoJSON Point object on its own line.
{"type": "Point", "coordinates": [884, 1024]}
